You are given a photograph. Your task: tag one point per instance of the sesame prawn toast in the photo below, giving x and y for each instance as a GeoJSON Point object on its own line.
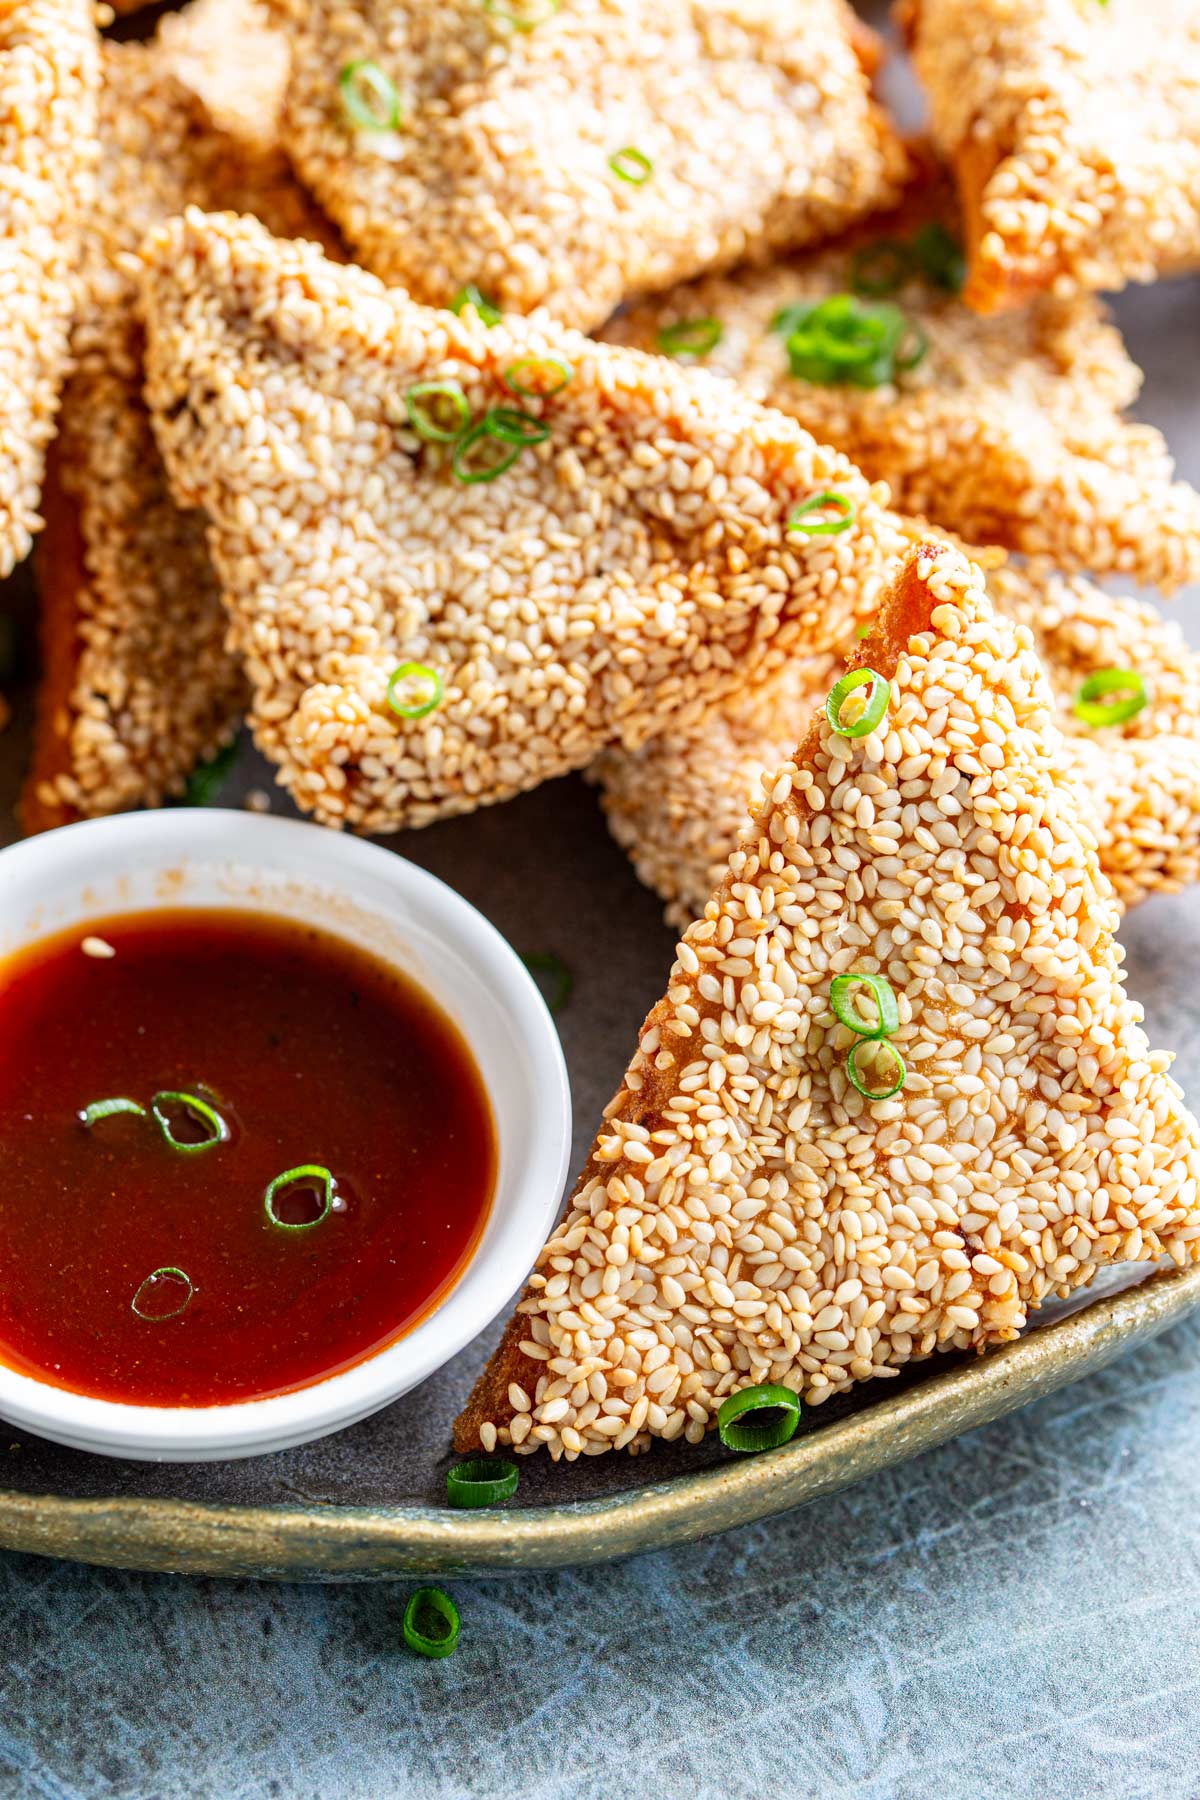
{"type": "Point", "coordinates": [565, 157]}
{"type": "Point", "coordinates": [1007, 430]}
{"type": "Point", "coordinates": [444, 624]}
{"type": "Point", "coordinates": [1074, 133]}
{"type": "Point", "coordinates": [749, 1213]}
{"type": "Point", "coordinates": [678, 805]}
{"type": "Point", "coordinates": [137, 684]}
{"type": "Point", "coordinates": [49, 66]}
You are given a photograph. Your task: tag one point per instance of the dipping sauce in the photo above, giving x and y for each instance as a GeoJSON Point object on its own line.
{"type": "Point", "coordinates": [135, 1270]}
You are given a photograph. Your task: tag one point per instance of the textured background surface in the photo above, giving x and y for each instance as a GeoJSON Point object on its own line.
{"type": "Point", "coordinates": [1015, 1615]}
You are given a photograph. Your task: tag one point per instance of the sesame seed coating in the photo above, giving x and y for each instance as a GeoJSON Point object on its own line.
{"type": "Point", "coordinates": [757, 121]}
{"type": "Point", "coordinates": [137, 683]}
{"type": "Point", "coordinates": [746, 1216]}
{"type": "Point", "coordinates": [49, 59]}
{"type": "Point", "coordinates": [631, 568]}
{"type": "Point", "coordinates": [1074, 132]}
{"type": "Point", "coordinates": [679, 805]}
{"type": "Point", "coordinates": [1008, 431]}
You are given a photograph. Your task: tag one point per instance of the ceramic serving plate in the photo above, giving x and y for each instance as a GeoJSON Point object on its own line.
{"type": "Point", "coordinates": [369, 1501]}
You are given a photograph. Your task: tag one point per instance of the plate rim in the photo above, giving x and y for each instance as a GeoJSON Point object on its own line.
{"type": "Point", "coordinates": [336, 1542]}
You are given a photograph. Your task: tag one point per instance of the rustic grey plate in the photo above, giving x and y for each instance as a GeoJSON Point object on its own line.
{"type": "Point", "coordinates": [368, 1502]}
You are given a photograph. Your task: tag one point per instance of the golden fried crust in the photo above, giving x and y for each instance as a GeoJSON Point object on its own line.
{"type": "Point", "coordinates": [61, 576]}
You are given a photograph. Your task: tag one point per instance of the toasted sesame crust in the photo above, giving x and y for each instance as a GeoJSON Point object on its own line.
{"type": "Point", "coordinates": [137, 683]}
{"type": "Point", "coordinates": [746, 1216]}
{"type": "Point", "coordinates": [757, 119]}
{"type": "Point", "coordinates": [678, 805]}
{"type": "Point", "coordinates": [631, 568]}
{"type": "Point", "coordinates": [1009, 431]}
{"type": "Point", "coordinates": [1074, 130]}
{"type": "Point", "coordinates": [49, 62]}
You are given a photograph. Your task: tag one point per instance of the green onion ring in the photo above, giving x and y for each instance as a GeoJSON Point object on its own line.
{"type": "Point", "coordinates": [525, 17]}
{"type": "Point", "coordinates": [192, 1103]}
{"type": "Point", "coordinates": [524, 376]}
{"type": "Point", "coordinates": [471, 296]}
{"type": "Point", "coordinates": [431, 1623]}
{"type": "Point", "coordinates": [631, 165]}
{"type": "Point", "coordinates": [1093, 709]}
{"type": "Point", "coordinates": [872, 713]}
{"type": "Point", "coordinates": [843, 340]}
{"type": "Point", "coordinates": [105, 1109]}
{"type": "Point", "coordinates": [307, 1173]}
{"type": "Point", "coordinates": [512, 426]}
{"type": "Point", "coordinates": [690, 337]}
{"type": "Point", "coordinates": [426, 400]}
{"type": "Point", "coordinates": [466, 465]}
{"type": "Point", "coordinates": [852, 1068]}
{"type": "Point", "coordinates": [481, 1482]}
{"type": "Point", "coordinates": [739, 1431]}
{"type": "Point", "coordinates": [161, 1318]}
{"type": "Point", "coordinates": [848, 1014]}
{"type": "Point", "coordinates": [205, 782]}
{"type": "Point", "coordinates": [881, 268]}
{"type": "Point", "coordinates": [546, 963]}
{"type": "Point", "coordinates": [415, 709]}
{"type": "Point", "coordinates": [940, 256]}
{"type": "Point", "coordinates": [823, 502]}
{"type": "Point", "coordinates": [369, 100]}
{"type": "Point", "coordinates": [862, 633]}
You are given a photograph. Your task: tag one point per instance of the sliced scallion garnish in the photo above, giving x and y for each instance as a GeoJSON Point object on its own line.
{"type": "Point", "coordinates": [512, 426]}
{"type": "Point", "coordinates": [842, 508]}
{"type": "Point", "coordinates": [876, 1047]}
{"type": "Point", "coordinates": [546, 963]}
{"type": "Point", "coordinates": [522, 15]}
{"type": "Point", "coordinates": [631, 165]}
{"type": "Point", "coordinates": [481, 1482]}
{"type": "Point", "coordinates": [537, 377]}
{"type": "Point", "coordinates": [369, 99]}
{"type": "Point", "coordinates": [163, 1295]}
{"type": "Point", "coordinates": [206, 782]}
{"type": "Point", "coordinates": [471, 296]}
{"type": "Point", "coordinates": [875, 703]}
{"type": "Point", "coordinates": [438, 411]}
{"type": "Point", "coordinates": [481, 454]}
{"type": "Point", "coordinates": [428, 683]}
{"type": "Point", "coordinates": [778, 1410]}
{"type": "Point", "coordinates": [309, 1178]}
{"type": "Point", "coordinates": [841, 998]}
{"type": "Point", "coordinates": [690, 337]}
{"type": "Point", "coordinates": [196, 1112]}
{"type": "Point", "coordinates": [431, 1623]}
{"type": "Point", "coordinates": [881, 268]}
{"type": "Point", "coordinates": [845, 341]}
{"type": "Point", "coordinates": [105, 1109]}
{"type": "Point", "coordinates": [1111, 697]}
{"type": "Point", "coordinates": [862, 633]}
{"type": "Point", "coordinates": [939, 256]}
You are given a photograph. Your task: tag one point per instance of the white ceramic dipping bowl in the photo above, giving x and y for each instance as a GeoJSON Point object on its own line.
{"type": "Point", "coordinates": [354, 890]}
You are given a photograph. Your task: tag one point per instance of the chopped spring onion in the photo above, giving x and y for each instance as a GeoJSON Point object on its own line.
{"type": "Point", "coordinates": [369, 100]}
{"type": "Point", "coordinates": [537, 377]}
{"type": "Point", "coordinates": [940, 257]}
{"type": "Point", "coordinates": [481, 1482]}
{"type": "Point", "coordinates": [863, 633]}
{"type": "Point", "coordinates": [881, 268]}
{"type": "Point", "coordinates": [206, 782]}
{"type": "Point", "coordinates": [546, 963]}
{"type": "Point", "coordinates": [163, 1295]}
{"type": "Point", "coordinates": [631, 165]}
{"type": "Point", "coordinates": [882, 1047]}
{"type": "Point", "coordinates": [431, 1623]}
{"type": "Point", "coordinates": [843, 340]}
{"type": "Point", "coordinates": [512, 426]}
{"type": "Point", "coordinates": [430, 694]}
{"type": "Point", "coordinates": [481, 453]}
{"type": "Point", "coordinates": [779, 1411]}
{"type": "Point", "coordinates": [875, 704]}
{"type": "Point", "coordinates": [195, 1111]}
{"type": "Point", "coordinates": [522, 15]}
{"type": "Point", "coordinates": [1129, 695]}
{"type": "Point", "coordinates": [471, 296]}
{"type": "Point", "coordinates": [438, 411]}
{"type": "Point", "coordinates": [104, 1109]}
{"type": "Point", "coordinates": [838, 504]}
{"type": "Point", "coordinates": [308, 1178]}
{"type": "Point", "coordinates": [842, 1001]}
{"type": "Point", "coordinates": [690, 337]}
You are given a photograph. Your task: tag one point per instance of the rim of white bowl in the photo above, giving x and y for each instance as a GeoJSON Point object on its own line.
{"type": "Point", "coordinates": [534, 1139]}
